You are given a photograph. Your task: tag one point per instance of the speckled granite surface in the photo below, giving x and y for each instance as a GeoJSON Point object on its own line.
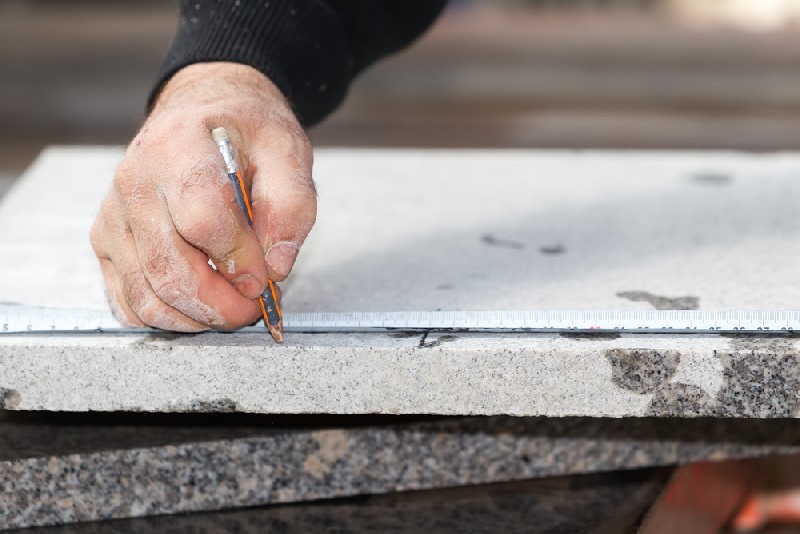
{"type": "Point", "coordinates": [152, 473]}
{"type": "Point", "coordinates": [395, 373]}
{"type": "Point", "coordinates": [601, 504]}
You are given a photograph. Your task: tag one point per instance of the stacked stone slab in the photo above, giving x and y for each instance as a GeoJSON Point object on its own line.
{"type": "Point", "coordinates": [411, 230]}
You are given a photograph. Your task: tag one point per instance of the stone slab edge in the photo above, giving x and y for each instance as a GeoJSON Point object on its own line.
{"type": "Point", "coordinates": [402, 373]}
{"type": "Point", "coordinates": [309, 465]}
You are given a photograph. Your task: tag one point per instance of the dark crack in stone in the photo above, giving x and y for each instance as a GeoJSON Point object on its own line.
{"type": "Point", "coordinates": [590, 336]}
{"type": "Point", "coordinates": [444, 338]}
{"type": "Point", "coordinates": [642, 370]}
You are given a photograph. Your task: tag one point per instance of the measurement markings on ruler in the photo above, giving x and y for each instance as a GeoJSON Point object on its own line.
{"type": "Point", "coordinates": [16, 319]}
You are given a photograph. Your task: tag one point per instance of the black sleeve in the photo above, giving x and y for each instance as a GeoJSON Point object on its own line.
{"type": "Point", "coordinates": [310, 49]}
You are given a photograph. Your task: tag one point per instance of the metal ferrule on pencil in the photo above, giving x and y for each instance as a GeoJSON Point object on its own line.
{"type": "Point", "coordinates": [226, 149]}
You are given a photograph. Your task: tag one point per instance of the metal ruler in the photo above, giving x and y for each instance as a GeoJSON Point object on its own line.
{"type": "Point", "coordinates": [16, 319]}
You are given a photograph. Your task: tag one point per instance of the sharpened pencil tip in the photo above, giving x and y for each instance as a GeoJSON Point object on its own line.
{"type": "Point", "coordinates": [276, 331]}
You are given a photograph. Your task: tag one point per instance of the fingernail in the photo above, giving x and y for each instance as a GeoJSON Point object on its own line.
{"type": "Point", "coordinates": [281, 256]}
{"type": "Point", "coordinates": [247, 285]}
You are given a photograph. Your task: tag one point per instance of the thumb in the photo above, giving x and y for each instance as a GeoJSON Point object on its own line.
{"type": "Point", "coordinates": [284, 199]}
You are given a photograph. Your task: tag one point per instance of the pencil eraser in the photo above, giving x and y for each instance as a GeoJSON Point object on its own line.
{"type": "Point", "coordinates": [219, 134]}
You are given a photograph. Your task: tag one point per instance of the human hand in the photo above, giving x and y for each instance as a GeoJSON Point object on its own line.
{"type": "Point", "coordinates": [171, 206]}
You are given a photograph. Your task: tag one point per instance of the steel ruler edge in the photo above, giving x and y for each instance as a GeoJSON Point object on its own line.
{"type": "Point", "coordinates": [19, 319]}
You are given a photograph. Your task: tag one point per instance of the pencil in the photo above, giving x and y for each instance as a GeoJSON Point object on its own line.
{"type": "Point", "coordinates": [273, 319]}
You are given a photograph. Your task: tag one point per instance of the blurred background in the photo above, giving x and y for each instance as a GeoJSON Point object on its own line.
{"type": "Point", "coordinates": [513, 73]}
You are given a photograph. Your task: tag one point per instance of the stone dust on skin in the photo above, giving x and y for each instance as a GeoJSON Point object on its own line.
{"type": "Point", "coordinates": [184, 286]}
{"type": "Point", "coordinates": [187, 299]}
{"type": "Point", "coordinates": [118, 312]}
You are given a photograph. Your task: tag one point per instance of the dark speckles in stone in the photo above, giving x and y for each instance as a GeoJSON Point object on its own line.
{"type": "Point", "coordinates": [642, 370]}
{"type": "Point", "coordinates": [762, 376]}
{"type": "Point", "coordinates": [681, 400]}
{"type": "Point", "coordinates": [87, 479]}
{"type": "Point", "coordinates": [10, 399]}
{"type": "Point", "coordinates": [208, 406]}
{"type": "Point", "coordinates": [761, 379]}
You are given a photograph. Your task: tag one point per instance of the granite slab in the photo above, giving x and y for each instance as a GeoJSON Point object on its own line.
{"type": "Point", "coordinates": [600, 503]}
{"type": "Point", "coordinates": [66, 469]}
{"type": "Point", "coordinates": [427, 230]}
{"type": "Point", "coordinates": [396, 373]}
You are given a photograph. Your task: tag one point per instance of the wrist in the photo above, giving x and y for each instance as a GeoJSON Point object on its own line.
{"type": "Point", "coordinates": [215, 85]}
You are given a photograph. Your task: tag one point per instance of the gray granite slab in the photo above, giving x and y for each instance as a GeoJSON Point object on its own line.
{"type": "Point", "coordinates": [401, 373]}
{"type": "Point", "coordinates": [600, 503]}
{"type": "Point", "coordinates": [553, 230]}
{"type": "Point", "coordinates": [491, 230]}
{"type": "Point", "coordinates": [80, 470]}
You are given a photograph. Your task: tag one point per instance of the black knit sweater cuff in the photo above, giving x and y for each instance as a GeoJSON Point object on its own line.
{"type": "Point", "coordinates": [297, 45]}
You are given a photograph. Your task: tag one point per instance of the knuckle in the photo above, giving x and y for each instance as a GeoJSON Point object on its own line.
{"type": "Point", "coordinates": [157, 314]}
{"type": "Point", "coordinates": [148, 312]}
{"type": "Point", "coordinates": [216, 234]}
{"type": "Point", "coordinates": [126, 318]}
{"type": "Point", "coordinates": [133, 290]}
{"type": "Point", "coordinates": [294, 142]}
{"type": "Point", "coordinates": [303, 208]}
{"type": "Point", "coordinates": [156, 263]}
{"type": "Point", "coordinates": [148, 307]}
{"type": "Point", "coordinates": [163, 278]}
{"type": "Point", "coordinates": [168, 287]}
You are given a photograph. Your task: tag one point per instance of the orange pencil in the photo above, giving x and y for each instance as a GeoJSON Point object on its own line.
{"type": "Point", "coordinates": [273, 318]}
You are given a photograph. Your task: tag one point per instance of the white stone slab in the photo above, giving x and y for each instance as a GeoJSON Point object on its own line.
{"type": "Point", "coordinates": [426, 230]}
{"type": "Point", "coordinates": [405, 230]}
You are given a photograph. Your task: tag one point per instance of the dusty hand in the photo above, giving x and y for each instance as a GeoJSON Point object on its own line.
{"type": "Point", "coordinates": [171, 206]}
